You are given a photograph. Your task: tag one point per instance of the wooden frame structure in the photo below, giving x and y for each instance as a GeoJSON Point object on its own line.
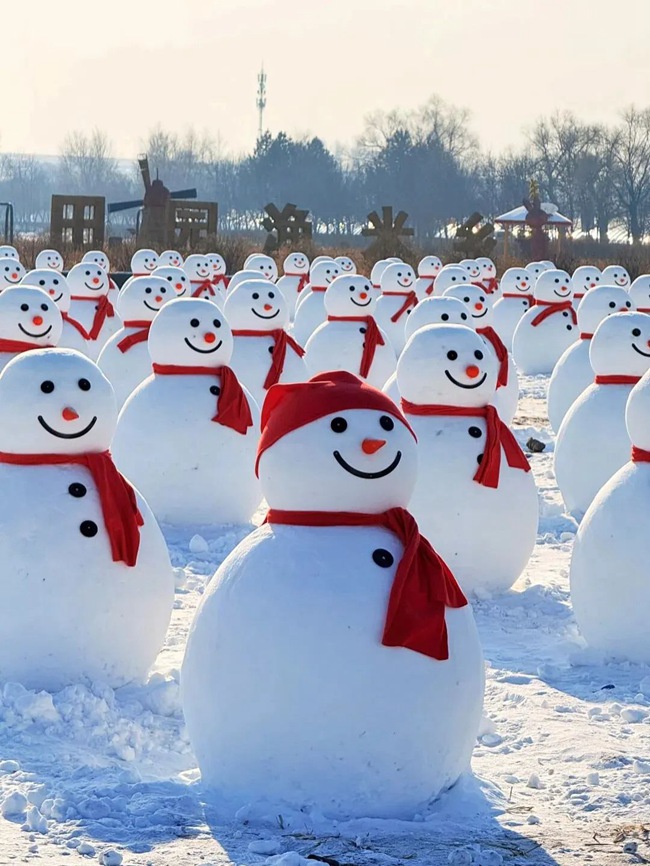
{"type": "Point", "coordinates": [77, 220]}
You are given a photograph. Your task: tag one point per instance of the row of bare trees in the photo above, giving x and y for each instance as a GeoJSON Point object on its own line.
{"type": "Point", "coordinates": [427, 162]}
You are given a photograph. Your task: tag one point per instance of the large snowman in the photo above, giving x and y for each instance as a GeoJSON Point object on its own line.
{"type": "Point", "coordinates": [333, 661]}
{"type": "Point", "coordinates": [516, 297]}
{"type": "Point", "coordinates": [91, 308]}
{"type": "Point", "coordinates": [548, 328]}
{"type": "Point", "coordinates": [186, 436]}
{"type": "Point", "coordinates": [428, 269]}
{"type": "Point", "coordinates": [396, 302]}
{"type": "Point", "coordinates": [84, 567]}
{"type": "Point", "coordinates": [310, 308]}
{"type": "Point", "coordinates": [294, 278]}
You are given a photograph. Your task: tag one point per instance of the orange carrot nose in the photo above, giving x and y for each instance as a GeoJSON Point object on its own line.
{"type": "Point", "coordinates": [268, 307]}
{"type": "Point", "coordinates": [478, 306]}
{"type": "Point", "coordinates": [363, 295]}
{"type": "Point", "coordinates": [209, 337]}
{"type": "Point", "coordinates": [524, 284]}
{"type": "Point", "coordinates": [51, 292]}
{"type": "Point", "coordinates": [69, 414]}
{"type": "Point", "coordinates": [592, 285]}
{"type": "Point", "coordinates": [158, 300]}
{"type": "Point", "coordinates": [472, 371]}
{"type": "Point", "coordinates": [95, 280]}
{"type": "Point", "coordinates": [14, 276]}
{"type": "Point", "coordinates": [623, 310]}
{"type": "Point", "coordinates": [370, 446]}
{"type": "Point", "coordinates": [38, 320]}
{"type": "Point", "coordinates": [178, 286]}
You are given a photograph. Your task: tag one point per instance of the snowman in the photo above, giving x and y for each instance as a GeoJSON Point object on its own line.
{"type": "Point", "coordinates": [29, 320]}
{"type": "Point", "coordinates": [91, 309]}
{"type": "Point", "coordinates": [479, 306]}
{"type": "Point", "coordinates": [170, 259]}
{"type": "Point", "coordinates": [585, 278]}
{"type": "Point", "coordinates": [11, 273]}
{"type": "Point", "coordinates": [547, 330]}
{"type": "Point", "coordinates": [615, 275]}
{"type": "Point", "coordinates": [573, 373]}
{"type": "Point", "coordinates": [487, 279]}
{"type": "Point", "coordinates": [448, 277]}
{"type": "Point", "coordinates": [264, 353]}
{"type": "Point", "coordinates": [176, 278]}
{"type": "Point", "coordinates": [396, 302]}
{"type": "Point", "coordinates": [242, 276]}
{"type": "Point", "coordinates": [85, 569]}
{"type": "Point", "coordinates": [350, 339]}
{"type": "Point", "coordinates": [377, 270]}
{"type": "Point", "coordinates": [125, 360]}
{"type": "Point", "coordinates": [339, 572]}
{"type": "Point", "coordinates": [472, 267]}
{"type": "Point", "coordinates": [346, 264]}
{"type": "Point", "coordinates": [262, 264]}
{"type": "Point", "coordinates": [192, 397]}
{"type": "Point", "coordinates": [536, 269]}
{"type": "Point", "coordinates": [609, 567]}
{"type": "Point", "coordinates": [57, 288]}
{"type": "Point", "coordinates": [50, 259]}
{"type": "Point", "coordinates": [475, 496]}
{"type": "Point", "coordinates": [219, 268]}
{"type": "Point", "coordinates": [294, 279]}
{"type": "Point", "coordinates": [515, 299]}
{"type": "Point", "coordinates": [428, 269]}
{"type": "Point", "coordinates": [592, 443]}
{"type": "Point", "coordinates": [143, 262]}
{"type": "Point", "coordinates": [640, 293]}
{"type": "Point", "coordinates": [198, 270]}
{"type": "Point", "coordinates": [98, 257]}
{"type": "Point", "coordinates": [310, 309]}
{"type": "Point", "coordinates": [9, 252]}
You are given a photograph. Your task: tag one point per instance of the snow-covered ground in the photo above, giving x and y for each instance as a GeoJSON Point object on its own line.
{"type": "Point", "coordinates": [562, 765]}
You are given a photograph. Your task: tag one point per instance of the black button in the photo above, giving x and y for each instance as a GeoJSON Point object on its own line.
{"type": "Point", "coordinates": [77, 490]}
{"type": "Point", "coordinates": [362, 330]}
{"type": "Point", "coordinates": [270, 350]}
{"type": "Point", "coordinates": [215, 389]}
{"type": "Point", "coordinates": [479, 458]}
{"type": "Point", "coordinates": [88, 528]}
{"type": "Point", "coordinates": [475, 432]}
{"type": "Point", "coordinates": [383, 558]}
{"type": "Point", "coordinates": [565, 314]}
{"type": "Point", "coordinates": [568, 327]}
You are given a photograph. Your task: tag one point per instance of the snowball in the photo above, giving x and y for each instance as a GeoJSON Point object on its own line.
{"type": "Point", "coordinates": [13, 804]}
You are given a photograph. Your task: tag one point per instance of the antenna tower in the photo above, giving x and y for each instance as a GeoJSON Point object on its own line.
{"type": "Point", "coordinates": [261, 100]}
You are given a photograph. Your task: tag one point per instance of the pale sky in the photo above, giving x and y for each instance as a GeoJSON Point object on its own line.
{"type": "Point", "coordinates": [127, 65]}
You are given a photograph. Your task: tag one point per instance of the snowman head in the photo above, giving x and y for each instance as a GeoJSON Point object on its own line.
{"type": "Point", "coordinates": [88, 281]}
{"type": "Point", "coordinates": [615, 275]}
{"type": "Point", "coordinates": [296, 264]}
{"type": "Point", "coordinates": [264, 265]}
{"type": "Point", "coordinates": [621, 345]}
{"type": "Point", "coordinates": [61, 403]}
{"type": "Point", "coordinates": [318, 259]}
{"type": "Point", "coordinates": [637, 414]}
{"type": "Point", "coordinates": [335, 444]}
{"type": "Point", "coordinates": [97, 257]}
{"type": "Point", "coordinates": [398, 277]}
{"type": "Point", "coordinates": [640, 292]}
{"type": "Point", "coordinates": [142, 299]}
{"type": "Point", "coordinates": [517, 281]}
{"type": "Point", "coordinates": [324, 273]}
{"type": "Point", "coordinates": [488, 268]}
{"type": "Point", "coordinates": [51, 259]}
{"type": "Point", "coordinates": [472, 267]}
{"type": "Point", "coordinates": [553, 286]}
{"type": "Point", "coordinates": [218, 264]}
{"type": "Point", "coordinates": [144, 261]}
{"type": "Point", "coordinates": [346, 264]}
{"type": "Point", "coordinates": [9, 252]}
{"type": "Point", "coordinates": [256, 305]}
{"type": "Point", "coordinates": [241, 277]}
{"type": "Point", "coordinates": [443, 310]}
{"type": "Point", "coordinates": [378, 269]}
{"type": "Point", "coordinates": [29, 315]}
{"type": "Point", "coordinates": [11, 272]}
{"type": "Point", "coordinates": [429, 267]}
{"type": "Point", "coordinates": [197, 268]}
{"type": "Point", "coordinates": [449, 276]}
{"type": "Point", "coordinates": [449, 365]}
{"type": "Point", "coordinates": [585, 278]}
{"type": "Point", "coordinates": [599, 303]}
{"type": "Point", "coordinates": [190, 332]}
{"type": "Point", "coordinates": [350, 295]}
{"type": "Point", "coordinates": [52, 283]}
{"type": "Point", "coordinates": [176, 278]}
{"type": "Point", "coordinates": [171, 259]}
{"type": "Point", "coordinates": [477, 302]}
{"type": "Point", "coordinates": [537, 268]}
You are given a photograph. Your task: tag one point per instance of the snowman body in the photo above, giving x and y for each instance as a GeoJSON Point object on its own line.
{"type": "Point", "coordinates": [83, 311]}
{"type": "Point", "coordinates": [571, 376]}
{"type": "Point", "coordinates": [125, 370]}
{"type": "Point", "coordinates": [339, 346]}
{"type": "Point", "coordinates": [397, 300]}
{"type": "Point", "coordinates": [546, 330]}
{"type": "Point", "coordinates": [251, 360]}
{"type": "Point", "coordinates": [508, 312]}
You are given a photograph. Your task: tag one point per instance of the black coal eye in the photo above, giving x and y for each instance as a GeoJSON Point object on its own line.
{"type": "Point", "coordinates": [339, 425]}
{"type": "Point", "coordinates": [256, 296]}
{"type": "Point", "coordinates": [351, 288]}
{"type": "Point", "coordinates": [628, 304]}
{"type": "Point", "coordinates": [47, 387]}
{"type": "Point", "coordinates": [163, 291]}
{"type": "Point", "coordinates": [215, 390]}
{"type": "Point", "coordinates": [597, 279]}
{"type": "Point", "coordinates": [87, 273]}
{"type": "Point", "coordinates": [84, 384]}
{"type": "Point", "coordinates": [44, 307]}
{"type": "Point", "coordinates": [478, 355]}
{"type": "Point", "coordinates": [169, 279]}
{"type": "Point", "coordinates": [386, 422]}
{"type": "Point", "coordinates": [399, 274]}
{"type": "Point", "coordinates": [383, 558]}
{"type": "Point", "coordinates": [41, 282]}
{"type": "Point", "coordinates": [636, 332]}
{"type": "Point", "coordinates": [466, 300]}
{"type": "Point", "coordinates": [557, 281]}
{"type": "Point", "coordinates": [452, 355]}
{"type": "Point", "coordinates": [216, 323]}
{"type": "Point", "coordinates": [194, 323]}
{"type": "Point", "coordinates": [56, 282]}
{"type": "Point", "coordinates": [271, 295]}
{"type": "Point", "coordinates": [453, 279]}
{"type": "Point", "coordinates": [482, 299]}
{"type": "Point", "coordinates": [24, 307]}
{"type": "Point", "coordinates": [612, 304]}
{"type": "Point", "coordinates": [463, 316]}
{"type": "Point", "coordinates": [444, 317]}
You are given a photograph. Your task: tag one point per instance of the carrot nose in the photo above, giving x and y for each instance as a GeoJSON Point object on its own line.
{"type": "Point", "coordinates": [178, 286]}
{"type": "Point", "coordinates": [268, 307]}
{"type": "Point", "coordinates": [158, 300]}
{"type": "Point", "coordinates": [69, 414]}
{"type": "Point", "coordinates": [51, 292]}
{"type": "Point", "coordinates": [524, 284]}
{"type": "Point", "coordinates": [478, 306]}
{"type": "Point", "coordinates": [38, 320]}
{"type": "Point", "coordinates": [472, 371]}
{"type": "Point", "coordinates": [363, 295]}
{"type": "Point", "coordinates": [95, 280]}
{"type": "Point", "coordinates": [623, 310]}
{"type": "Point", "coordinates": [14, 276]}
{"type": "Point", "coordinates": [209, 337]}
{"type": "Point", "coordinates": [370, 446]}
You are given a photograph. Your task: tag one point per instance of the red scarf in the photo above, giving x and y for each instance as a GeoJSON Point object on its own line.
{"type": "Point", "coordinates": [489, 286]}
{"type": "Point", "coordinates": [616, 380]}
{"type": "Point", "coordinates": [639, 455]}
{"type": "Point", "coordinates": [203, 286]}
{"type": "Point", "coordinates": [519, 295]}
{"type": "Point", "coordinates": [498, 436]}
{"type": "Point", "coordinates": [220, 280]}
{"type": "Point", "coordinates": [429, 288]}
{"type": "Point", "coordinates": [423, 585]}
{"type": "Point", "coordinates": [233, 410]}
{"type": "Point", "coordinates": [122, 517]}
{"type": "Point", "coordinates": [75, 324]}
{"type": "Point", "coordinates": [302, 282]}
{"type": "Point", "coordinates": [643, 309]}
{"type": "Point", "coordinates": [139, 336]}
{"type": "Point", "coordinates": [373, 338]}
{"type": "Point", "coordinates": [281, 341]}
{"type": "Point", "coordinates": [585, 336]}
{"type": "Point", "coordinates": [318, 288]}
{"type": "Point", "coordinates": [104, 311]}
{"type": "Point", "coordinates": [410, 302]}
{"type": "Point", "coordinates": [16, 346]}
{"type": "Point", "coordinates": [551, 308]}
{"type": "Point", "coordinates": [501, 352]}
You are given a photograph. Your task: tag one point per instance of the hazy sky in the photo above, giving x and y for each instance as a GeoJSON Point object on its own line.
{"type": "Point", "coordinates": [127, 65]}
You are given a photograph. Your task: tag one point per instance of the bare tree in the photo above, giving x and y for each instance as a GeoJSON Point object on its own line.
{"type": "Point", "coordinates": [631, 162]}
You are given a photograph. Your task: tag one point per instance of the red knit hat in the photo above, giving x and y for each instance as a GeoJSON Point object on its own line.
{"type": "Point", "coordinates": [288, 407]}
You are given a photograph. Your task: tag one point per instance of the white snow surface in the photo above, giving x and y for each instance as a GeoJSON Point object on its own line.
{"type": "Point", "coordinates": [562, 765]}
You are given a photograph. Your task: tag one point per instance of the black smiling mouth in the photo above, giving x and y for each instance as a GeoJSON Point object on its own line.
{"type": "Point", "coordinates": [56, 300]}
{"type": "Point", "coordinates": [35, 336]}
{"type": "Point", "coordinates": [204, 351]}
{"type": "Point", "coordinates": [561, 294]}
{"type": "Point", "coordinates": [381, 473]}
{"type": "Point", "coordinates": [636, 349]}
{"type": "Point", "coordinates": [54, 432]}
{"type": "Point", "coordinates": [461, 385]}
{"type": "Point", "coordinates": [480, 316]}
{"type": "Point", "coordinates": [93, 288]}
{"type": "Point", "coordinates": [357, 304]}
{"type": "Point", "coordinates": [260, 316]}
{"type": "Point", "coordinates": [404, 285]}
{"type": "Point", "coordinates": [153, 309]}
